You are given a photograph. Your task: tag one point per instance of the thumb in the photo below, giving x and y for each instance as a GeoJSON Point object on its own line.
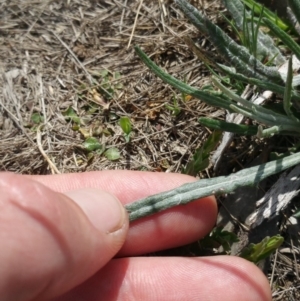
{"type": "Point", "coordinates": [52, 242]}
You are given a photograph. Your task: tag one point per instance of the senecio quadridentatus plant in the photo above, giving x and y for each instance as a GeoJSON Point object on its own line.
{"type": "Point", "coordinates": [244, 65]}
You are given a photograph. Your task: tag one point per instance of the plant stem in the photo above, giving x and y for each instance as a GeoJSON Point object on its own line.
{"type": "Point", "coordinates": [205, 187]}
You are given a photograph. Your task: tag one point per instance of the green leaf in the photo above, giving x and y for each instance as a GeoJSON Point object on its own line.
{"type": "Point", "coordinates": [92, 144]}
{"type": "Point", "coordinates": [284, 37]}
{"type": "Point", "coordinates": [219, 237]}
{"type": "Point", "coordinates": [262, 250]}
{"type": "Point", "coordinates": [200, 158]}
{"type": "Point", "coordinates": [237, 55]}
{"type": "Point", "coordinates": [211, 143]}
{"type": "Point", "coordinates": [288, 92]}
{"type": "Point", "coordinates": [239, 129]}
{"type": "Point", "coordinates": [266, 85]}
{"type": "Point", "coordinates": [125, 125]}
{"type": "Point", "coordinates": [258, 8]}
{"type": "Point", "coordinates": [104, 73]}
{"type": "Point", "coordinates": [112, 154]}
{"type": "Point", "coordinates": [256, 112]}
{"type": "Point", "coordinates": [71, 115]}
{"type": "Point", "coordinates": [264, 43]}
{"type": "Point", "coordinates": [37, 118]}
{"type": "Point", "coordinates": [182, 87]}
{"type": "Point", "coordinates": [205, 187]}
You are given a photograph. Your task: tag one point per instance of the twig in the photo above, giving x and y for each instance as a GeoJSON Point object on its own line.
{"type": "Point", "coordinates": [39, 143]}
{"type": "Point", "coordinates": [42, 104]}
{"type": "Point", "coordinates": [273, 269]}
{"type": "Point", "coordinates": [134, 24]}
{"type": "Point", "coordinates": [122, 16]}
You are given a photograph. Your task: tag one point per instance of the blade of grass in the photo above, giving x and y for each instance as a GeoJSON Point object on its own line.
{"type": "Point", "coordinates": [284, 37]}
{"type": "Point", "coordinates": [267, 13]}
{"type": "Point", "coordinates": [288, 92]}
{"type": "Point", "coordinates": [265, 44]}
{"type": "Point", "coordinates": [265, 85]}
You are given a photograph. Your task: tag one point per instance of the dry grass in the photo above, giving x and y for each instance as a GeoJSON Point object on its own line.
{"type": "Point", "coordinates": [51, 56]}
{"type": "Point", "coordinates": [52, 53]}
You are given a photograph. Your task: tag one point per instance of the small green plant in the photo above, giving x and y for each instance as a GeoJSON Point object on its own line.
{"type": "Point", "coordinates": [112, 154]}
{"type": "Point", "coordinates": [219, 237]}
{"type": "Point", "coordinates": [36, 119]}
{"type": "Point", "coordinates": [175, 108]}
{"type": "Point", "coordinates": [266, 13]}
{"type": "Point", "coordinates": [125, 124]}
{"type": "Point", "coordinates": [92, 144]}
{"type": "Point", "coordinates": [200, 159]}
{"type": "Point", "coordinates": [70, 114]}
{"type": "Point", "coordinates": [262, 250]}
{"type": "Point", "coordinates": [109, 83]}
{"type": "Point", "coordinates": [246, 68]}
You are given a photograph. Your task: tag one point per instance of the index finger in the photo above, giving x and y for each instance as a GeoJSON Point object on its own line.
{"type": "Point", "coordinates": [174, 227]}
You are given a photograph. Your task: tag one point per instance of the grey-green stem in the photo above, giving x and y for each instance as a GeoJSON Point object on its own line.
{"type": "Point", "coordinates": [205, 187]}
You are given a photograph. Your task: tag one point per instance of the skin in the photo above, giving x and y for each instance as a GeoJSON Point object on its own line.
{"type": "Point", "coordinates": [67, 237]}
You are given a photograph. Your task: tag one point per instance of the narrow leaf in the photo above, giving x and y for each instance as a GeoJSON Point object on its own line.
{"type": "Point", "coordinates": [239, 129]}
{"type": "Point", "coordinates": [231, 94]}
{"type": "Point", "coordinates": [288, 91]}
{"type": "Point", "coordinates": [182, 87]}
{"type": "Point", "coordinates": [70, 114]}
{"type": "Point", "coordinates": [200, 159]}
{"type": "Point", "coordinates": [284, 37]}
{"type": "Point", "coordinates": [237, 55]}
{"type": "Point", "coordinates": [266, 13]}
{"type": "Point", "coordinates": [265, 85]}
{"type": "Point", "coordinates": [205, 187]}
{"type": "Point", "coordinates": [265, 44]}
{"type": "Point", "coordinates": [256, 112]}
{"type": "Point", "coordinates": [125, 125]}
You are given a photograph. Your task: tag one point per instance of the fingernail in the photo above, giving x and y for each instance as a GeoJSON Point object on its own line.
{"type": "Point", "coordinates": [103, 209]}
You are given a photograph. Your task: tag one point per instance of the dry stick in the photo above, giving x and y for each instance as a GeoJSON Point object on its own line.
{"type": "Point", "coordinates": [163, 13]}
{"type": "Point", "coordinates": [39, 143]}
{"type": "Point", "coordinates": [273, 270]}
{"type": "Point", "coordinates": [134, 24]}
{"type": "Point", "coordinates": [10, 114]}
{"type": "Point", "coordinates": [16, 121]}
{"type": "Point", "coordinates": [122, 16]}
{"type": "Point", "coordinates": [42, 104]}
{"type": "Point", "coordinates": [205, 187]}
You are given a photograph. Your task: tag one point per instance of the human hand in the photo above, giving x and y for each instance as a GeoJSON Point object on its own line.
{"type": "Point", "coordinates": [59, 234]}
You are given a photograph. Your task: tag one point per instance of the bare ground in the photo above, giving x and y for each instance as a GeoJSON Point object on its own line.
{"type": "Point", "coordinates": [52, 55]}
